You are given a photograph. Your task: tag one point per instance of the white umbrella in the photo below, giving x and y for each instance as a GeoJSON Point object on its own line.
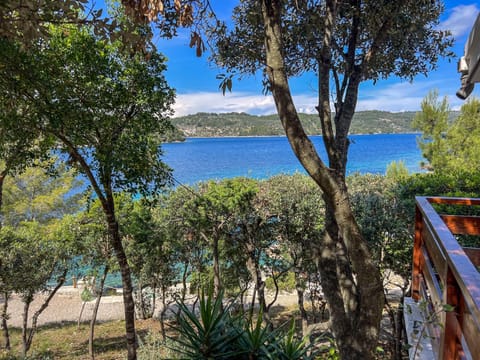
{"type": "Point", "coordinates": [469, 64]}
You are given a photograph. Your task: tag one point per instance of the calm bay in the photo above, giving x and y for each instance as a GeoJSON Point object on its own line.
{"type": "Point", "coordinates": [201, 159]}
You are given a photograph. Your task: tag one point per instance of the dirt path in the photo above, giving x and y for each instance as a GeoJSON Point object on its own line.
{"type": "Point", "coordinates": [65, 306]}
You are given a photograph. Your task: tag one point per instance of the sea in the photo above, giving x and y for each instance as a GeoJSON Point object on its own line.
{"type": "Point", "coordinates": [201, 159]}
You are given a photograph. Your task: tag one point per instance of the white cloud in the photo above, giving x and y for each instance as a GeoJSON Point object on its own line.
{"type": "Point", "coordinates": [255, 104]}
{"type": "Point", "coordinates": [397, 97]}
{"type": "Point", "coordinates": [405, 96]}
{"type": "Point", "coordinates": [461, 20]}
{"type": "Point", "coordinates": [215, 102]}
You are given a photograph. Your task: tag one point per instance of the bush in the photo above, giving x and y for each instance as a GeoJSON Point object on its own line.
{"type": "Point", "coordinates": [285, 282]}
{"type": "Point", "coordinates": [215, 334]}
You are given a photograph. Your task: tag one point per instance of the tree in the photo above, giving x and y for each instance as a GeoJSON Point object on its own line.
{"type": "Point", "coordinates": [449, 146]}
{"type": "Point", "coordinates": [37, 247]}
{"type": "Point", "coordinates": [433, 122]}
{"type": "Point", "coordinates": [15, 153]}
{"type": "Point", "coordinates": [96, 253]}
{"type": "Point", "coordinates": [103, 106]}
{"type": "Point", "coordinates": [216, 206]}
{"type": "Point", "coordinates": [344, 43]}
{"type": "Point", "coordinates": [297, 208]}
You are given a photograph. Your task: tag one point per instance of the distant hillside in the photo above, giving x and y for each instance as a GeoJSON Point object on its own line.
{"type": "Point", "coordinates": [242, 124]}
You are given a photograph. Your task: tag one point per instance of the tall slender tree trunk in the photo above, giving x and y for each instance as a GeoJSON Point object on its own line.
{"type": "Point", "coordinates": [5, 292]}
{"type": "Point", "coordinates": [26, 307]}
{"type": "Point", "coordinates": [256, 274]}
{"type": "Point", "coordinates": [79, 321]}
{"type": "Point", "coordinates": [128, 302]}
{"type": "Point", "coordinates": [93, 320]}
{"type": "Point", "coordinates": [163, 311]}
{"type": "Point", "coordinates": [27, 336]}
{"type": "Point", "coordinates": [217, 281]}
{"type": "Point", "coordinates": [6, 334]}
{"type": "Point", "coordinates": [184, 281]}
{"type": "Point", "coordinates": [300, 288]}
{"type": "Point", "coordinates": [154, 299]}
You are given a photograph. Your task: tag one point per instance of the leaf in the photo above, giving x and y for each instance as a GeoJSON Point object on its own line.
{"type": "Point", "coordinates": [193, 39]}
{"type": "Point", "coordinates": [448, 307]}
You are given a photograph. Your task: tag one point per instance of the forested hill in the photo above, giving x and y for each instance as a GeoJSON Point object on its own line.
{"type": "Point", "coordinates": [241, 124]}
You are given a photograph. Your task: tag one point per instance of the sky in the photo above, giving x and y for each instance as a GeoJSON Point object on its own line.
{"type": "Point", "coordinates": [197, 87]}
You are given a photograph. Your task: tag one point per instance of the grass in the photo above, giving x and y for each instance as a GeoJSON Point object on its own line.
{"type": "Point", "coordinates": [67, 341]}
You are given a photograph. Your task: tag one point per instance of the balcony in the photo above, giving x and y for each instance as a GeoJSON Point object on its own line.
{"type": "Point", "coordinates": [443, 314]}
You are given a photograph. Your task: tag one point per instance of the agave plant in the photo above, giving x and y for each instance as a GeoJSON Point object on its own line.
{"type": "Point", "coordinates": [291, 347]}
{"type": "Point", "coordinates": [257, 341]}
{"type": "Point", "coordinates": [211, 335]}
{"type": "Point", "coordinates": [215, 334]}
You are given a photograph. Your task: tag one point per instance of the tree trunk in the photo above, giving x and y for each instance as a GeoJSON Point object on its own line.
{"type": "Point", "coordinates": [27, 341]}
{"type": "Point", "coordinates": [6, 294]}
{"type": "Point", "coordinates": [128, 302]}
{"type": "Point", "coordinates": [217, 282]}
{"type": "Point", "coordinates": [256, 274]}
{"type": "Point", "coordinates": [141, 300]}
{"type": "Point", "coordinates": [93, 320]}
{"type": "Point", "coordinates": [252, 304]}
{"type": "Point", "coordinates": [6, 334]}
{"type": "Point", "coordinates": [184, 282]}
{"type": "Point", "coordinates": [163, 311]}
{"type": "Point", "coordinates": [81, 313]}
{"type": "Point", "coordinates": [154, 299]}
{"type": "Point", "coordinates": [26, 307]}
{"type": "Point", "coordinates": [300, 288]}
{"type": "Point", "coordinates": [3, 174]}
{"type": "Point", "coordinates": [356, 302]}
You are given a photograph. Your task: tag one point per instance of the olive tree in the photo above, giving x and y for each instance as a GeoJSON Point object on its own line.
{"type": "Point", "coordinates": [345, 44]}
{"type": "Point", "coordinates": [297, 208]}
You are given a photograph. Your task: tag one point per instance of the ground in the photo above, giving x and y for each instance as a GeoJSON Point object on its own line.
{"type": "Point", "coordinates": [59, 337]}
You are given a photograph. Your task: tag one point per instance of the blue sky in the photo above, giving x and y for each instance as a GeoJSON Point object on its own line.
{"type": "Point", "coordinates": [197, 88]}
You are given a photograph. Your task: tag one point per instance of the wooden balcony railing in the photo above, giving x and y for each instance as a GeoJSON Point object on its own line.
{"type": "Point", "coordinates": [446, 273]}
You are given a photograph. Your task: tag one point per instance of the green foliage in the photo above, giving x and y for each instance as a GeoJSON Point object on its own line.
{"type": "Point", "coordinates": [433, 122]}
{"type": "Point", "coordinates": [86, 295]}
{"type": "Point", "coordinates": [297, 208]}
{"type": "Point", "coordinates": [330, 351]}
{"type": "Point", "coordinates": [451, 184]}
{"type": "Point", "coordinates": [385, 220]}
{"type": "Point", "coordinates": [397, 171]}
{"type": "Point", "coordinates": [110, 107]}
{"type": "Point", "coordinates": [214, 333]}
{"type": "Point", "coordinates": [37, 195]}
{"type": "Point", "coordinates": [409, 44]}
{"type": "Point", "coordinates": [449, 145]}
{"type": "Point", "coordinates": [211, 335]}
{"type": "Point", "coordinates": [31, 23]}
{"type": "Point", "coordinates": [33, 258]}
{"type": "Point", "coordinates": [37, 241]}
{"type": "Point", "coordinates": [291, 347]}
{"type": "Point", "coordinates": [285, 283]}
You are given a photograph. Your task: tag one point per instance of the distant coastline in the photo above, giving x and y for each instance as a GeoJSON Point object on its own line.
{"type": "Point", "coordinates": [284, 136]}
{"type": "Point", "coordinates": [213, 125]}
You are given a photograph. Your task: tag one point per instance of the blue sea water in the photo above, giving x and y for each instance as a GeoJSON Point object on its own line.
{"type": "Point", "coordinates": [200, 159]}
